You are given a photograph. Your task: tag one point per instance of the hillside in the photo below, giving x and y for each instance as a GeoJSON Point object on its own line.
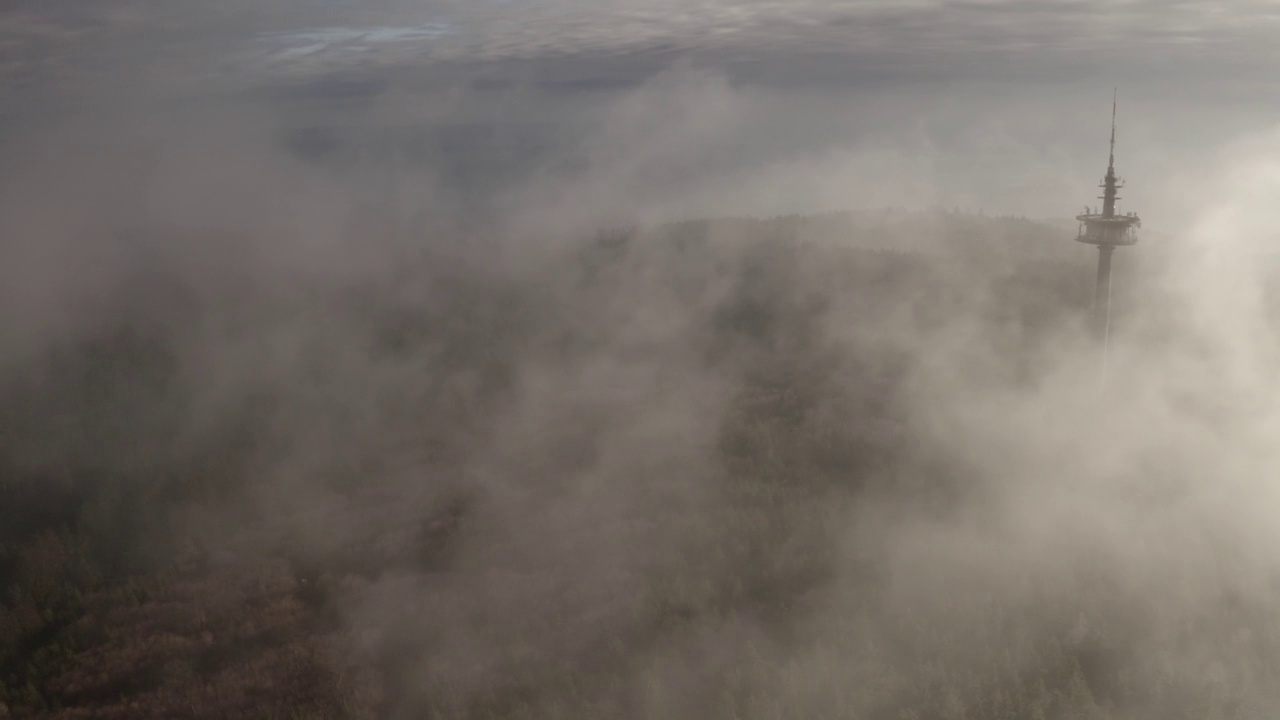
{"type": "Point", "coordinates": [714, 469]}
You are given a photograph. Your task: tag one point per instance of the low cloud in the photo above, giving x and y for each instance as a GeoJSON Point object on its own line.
{"type": "Point", "coordinates": [698, 471]}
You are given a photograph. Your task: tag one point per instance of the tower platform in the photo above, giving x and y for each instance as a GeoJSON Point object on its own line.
{"type": "Point", "coordinates": [1113, 230]}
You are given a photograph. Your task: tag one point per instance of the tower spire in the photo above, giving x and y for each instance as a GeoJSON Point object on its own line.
{"type": "Point", "coordinates": [1111, 161]}
{"type": "Point", "coordinates": [1109, 183]}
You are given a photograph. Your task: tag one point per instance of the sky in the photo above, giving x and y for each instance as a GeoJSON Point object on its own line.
{"type": "Point", "coordinates": [1008, 96]}
{"type": "Point", "coordinates": [62, 36]}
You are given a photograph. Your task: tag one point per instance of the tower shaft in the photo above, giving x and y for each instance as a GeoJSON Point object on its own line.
{"type": "Point", "coordinates": [1102, 292]}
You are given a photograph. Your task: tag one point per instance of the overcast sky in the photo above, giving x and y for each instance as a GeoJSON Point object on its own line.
{"type": "Point", "coordinates": [1014, 93]}
{"type": "Point", "coordinates": [58, 35]}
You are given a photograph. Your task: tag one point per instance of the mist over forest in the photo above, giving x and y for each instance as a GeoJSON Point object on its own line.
{"type": "Point", "coordinates": [647, 365]}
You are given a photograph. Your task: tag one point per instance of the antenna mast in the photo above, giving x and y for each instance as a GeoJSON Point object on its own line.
{"type": "Point", "coordinates": [1111, 161]}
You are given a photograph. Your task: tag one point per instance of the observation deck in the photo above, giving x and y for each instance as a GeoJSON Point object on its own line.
{"type": "Point", "coordinates": [1109, 230]}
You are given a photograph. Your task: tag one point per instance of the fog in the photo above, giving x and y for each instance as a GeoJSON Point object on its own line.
{"type": "Point", "coordinates": [419, 339]}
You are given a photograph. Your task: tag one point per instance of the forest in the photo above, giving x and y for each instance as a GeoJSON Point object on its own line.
{"type": "Point", "coordinates": [850, 465]}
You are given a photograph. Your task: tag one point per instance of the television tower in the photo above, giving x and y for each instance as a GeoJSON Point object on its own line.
{"type": "Point", "coordinates": [1108, 231]}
